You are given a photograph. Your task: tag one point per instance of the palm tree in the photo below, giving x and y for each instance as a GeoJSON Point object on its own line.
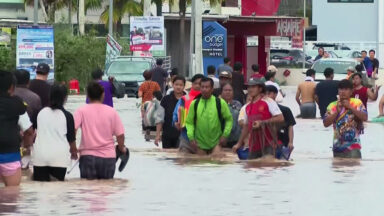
{"type": "Point", "coordinates": [120, 9]}
{"type": "Point", "coordinates": [49, 7]}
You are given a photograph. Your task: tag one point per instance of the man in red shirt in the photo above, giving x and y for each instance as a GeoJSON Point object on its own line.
{"type": "Point", "coordinates": [361, 92]}
{"type": "Point", "coordinates": [256, 74]}
{"type": "Point", "coordinates": [261, 115]}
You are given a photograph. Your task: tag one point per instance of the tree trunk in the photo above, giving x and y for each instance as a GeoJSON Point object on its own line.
{"type": "Point", "coordinates": [70, 12]}
{"type": "Point", "coordinates": [81, 17]}
{"type": "Point", "coordinates": [44, 10]}
{"type": "Point", "coordinates": [119, 28]}
{"type": "Point", "coordinates": [51, 11]}
{"type": "Point", "coordinates": [182, 9]}
{"type": "Point", "coordinates": [159, 9]}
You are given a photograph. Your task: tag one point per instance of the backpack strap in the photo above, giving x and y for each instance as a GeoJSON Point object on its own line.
{"type": "Point", "coordinates": [218, 107]}
{"type": "Point", "coordinates": [197, 100]}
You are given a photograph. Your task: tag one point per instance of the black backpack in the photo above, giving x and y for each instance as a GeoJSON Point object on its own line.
{"type": "Point", "coordinates": [218, 107]}
{"type": "Point", "coordinates": [118, 89]}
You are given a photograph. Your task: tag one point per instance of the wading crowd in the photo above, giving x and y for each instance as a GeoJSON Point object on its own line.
{"type": "Point", "coordinates": [201, 116]}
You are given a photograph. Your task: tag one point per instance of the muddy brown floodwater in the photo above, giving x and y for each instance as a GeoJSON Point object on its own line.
{"type": "Point", "coordinates": [164, 183]}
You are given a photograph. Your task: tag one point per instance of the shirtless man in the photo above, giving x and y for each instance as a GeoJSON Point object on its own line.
{"type": "Point", "coordinates": [305, 95]}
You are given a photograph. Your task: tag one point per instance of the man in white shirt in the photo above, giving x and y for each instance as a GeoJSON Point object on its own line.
{"type": "Point", "coordinates": [270, 80]}
{"type": "Point", "coordinates": [211, 71]}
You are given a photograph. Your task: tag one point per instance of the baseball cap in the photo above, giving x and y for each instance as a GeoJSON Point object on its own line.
{"type": "Point", "coordinates": [350, 68]}
{"type": "Point", "coordinates": [271, 88]}
{"type": "Point", "coordinates": [42, 68]}
{"type": "Point", "coordinates": [253, 82]}
{"type": "Point", "coordinates": [225, 74]}
{"type": "Point", "coordinates": [272, 68]}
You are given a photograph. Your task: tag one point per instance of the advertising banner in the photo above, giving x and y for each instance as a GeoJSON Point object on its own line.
{"type": "Point", "coordinates": [297, 40]}
{"type": "Point", "coordinates": [113, 50]}
{"type": "Point", "coordinates": [147, 33]}
{"type": "Point", "coordinates": [5, 36]}
{"type": "Point", "coordinates": [35, 44]}
{"type": "Point", "coordinates": [214, 44]}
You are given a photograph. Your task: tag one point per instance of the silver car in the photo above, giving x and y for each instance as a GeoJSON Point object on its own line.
{"type": "Point", "coordinates": [339, 66]}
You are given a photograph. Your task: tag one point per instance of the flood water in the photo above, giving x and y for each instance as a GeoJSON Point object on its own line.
{"type": "Point", "coordinates": [165, 183]}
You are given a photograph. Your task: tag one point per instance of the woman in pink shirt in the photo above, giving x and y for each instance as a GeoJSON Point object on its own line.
{"type": "Point", "coordinates": [99, 124]}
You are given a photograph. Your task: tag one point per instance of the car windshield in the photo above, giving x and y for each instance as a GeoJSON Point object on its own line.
{"type": "Point", "coordinates": [128, 70]}
{"type": "Point", "coordinates": [339, 67]}
{"type": "Point", "coordinates": [279, 53]}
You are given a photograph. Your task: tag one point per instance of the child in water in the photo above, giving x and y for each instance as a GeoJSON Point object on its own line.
{"type": "Point", "coordinates": [153, 114]}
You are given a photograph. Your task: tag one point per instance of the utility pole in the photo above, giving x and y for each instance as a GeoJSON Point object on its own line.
{"type": "Point", "coordinates": [192, 43]}
{"type": "Point", "coordinates": [304, 40]}
{"type": "Point", "coordinates": [35, 12]}
{"type": "Point", "coordinates": [197, 29]}
{"type": "Point", "coordinates": [147, 8]}
{"type": "Point", "coordinates": [70, 15]}
{"type": "Point", "coordinates": [81, 17]}
{"type": "Point", "coordinates": [110, 17]}
{"type": "Point", "coordinates": [198, 37]}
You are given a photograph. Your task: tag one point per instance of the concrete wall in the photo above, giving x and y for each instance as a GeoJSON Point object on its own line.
{"type": "Point", "coordinates": [345, 21]}
{"type": "Point", "coordinates": [173, 43]}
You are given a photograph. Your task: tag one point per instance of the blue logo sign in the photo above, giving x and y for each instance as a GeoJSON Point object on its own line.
{"type": "Point", "coordinates": [214, 44]}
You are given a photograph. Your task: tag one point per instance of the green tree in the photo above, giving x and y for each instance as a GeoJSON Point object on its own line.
{"type": "Point", "coordinates": [120, 9]}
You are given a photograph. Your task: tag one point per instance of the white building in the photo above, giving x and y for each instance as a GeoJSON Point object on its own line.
{"type": "Point", "coordinates": [354, 22]}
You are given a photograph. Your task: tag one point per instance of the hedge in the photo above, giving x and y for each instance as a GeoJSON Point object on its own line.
{"type": "Point", "coordinates": [75, 56]}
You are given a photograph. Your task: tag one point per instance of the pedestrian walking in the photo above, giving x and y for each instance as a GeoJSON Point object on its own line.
{"type": "Point", "coordinates": [181, 112]}
{"type": "Point", "coordinates": [305, 95]}
{"type": "Point", "coordinates": [209, 121]}
{"type": "Point", "coordinates": [285, 130]}
{"type": "Point", "coordinates": [40, 85]}
{"type": "Point", "coordinates": [224, 78]}
{"type": "Point", "coordinates": [97, 76]}
{"type": "Point", "coordinates": [99, 125]}
{"type": "Point", "coordinates": [211, 71]}
{"type": "Point", "coordinates": [170, 135]}
{"type": "Point", "coordinates": [256, 74]}
{"type": "Point", "coordinates": [261, 116]}
{"type": "Point", "coordinates": [226, 66]}
{"type": "Point", "coordinates": [153, 115]}
{"type": "Point", "coordinates": [270, 79]}
{"type": "Point", "coordinates": [347, 115]}
{"type": "Point", "coordinates": [55, 143]}
{"type": "Point", "coordinates": [13, 121]}
{"type": "Point", "coordinates": [326, 91]}
{"type": "Point", "coordinates": [238, 82]}
{"type": "Point", "coordinates": [234, 107]}
{"type": "Point", "coordinates": [363, 93]}
{"type": "Point", "coordinates": [321, 53]}
{"type": "Point", "coordinates": [30, 98]}
{"type": "Point", "coordinates": [148, 87]}
{"type": "Point", "coordinates": [159, 74]}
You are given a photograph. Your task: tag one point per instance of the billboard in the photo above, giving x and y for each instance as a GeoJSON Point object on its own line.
{"type": "Point", "coordinates": [12, 1]}
{"type": "Point", "coordinates": [214, 44]}
{"type": "Point", "coordinates": [147, 33]}
{"type": "Point", "coordinates": [113, 50]}
{"type": "Point", "coordinates": [5, 36]}
{"type": "Point", "coordinates": [35, 44]}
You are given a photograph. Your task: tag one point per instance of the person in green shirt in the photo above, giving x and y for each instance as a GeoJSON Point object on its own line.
{"type": "Point", "coordinates": [206, 128]}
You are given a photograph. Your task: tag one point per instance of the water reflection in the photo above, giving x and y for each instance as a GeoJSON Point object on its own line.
{"type": "Point", "coordinates": [8, 199]}
{"type": "Point", "coordinates": [163, 182]}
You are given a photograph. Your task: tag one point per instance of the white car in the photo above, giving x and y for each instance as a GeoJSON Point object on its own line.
{"type": "Point", "coordinates": [339, 66]}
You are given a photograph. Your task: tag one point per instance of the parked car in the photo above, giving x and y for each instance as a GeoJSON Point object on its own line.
{"type": "Point", "coordinates": [313, 53]}
{"type": "Point", "coordinates": [354, 54]}
{"type": "Point", "coordinates": [285, 57]}
{"type": "Point", "coordinates": [128, 71]}
{"type": "Point", "coordinates": [339, 66]}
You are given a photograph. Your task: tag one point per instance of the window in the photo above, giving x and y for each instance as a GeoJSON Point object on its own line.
{"type": "Point", "coordinates": [350, 1]}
